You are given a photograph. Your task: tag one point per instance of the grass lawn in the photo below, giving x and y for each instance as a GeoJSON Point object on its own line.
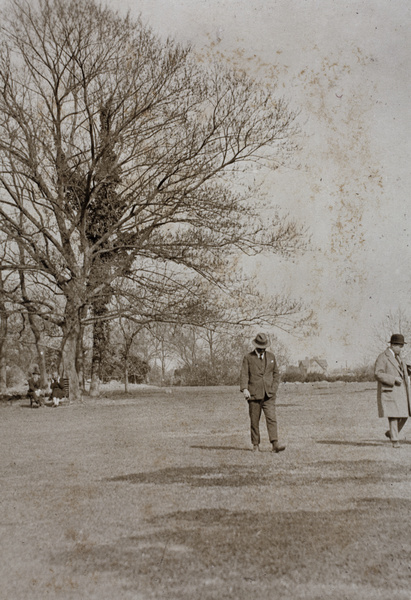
{"type": "Point", "coordinates": [156, 495]}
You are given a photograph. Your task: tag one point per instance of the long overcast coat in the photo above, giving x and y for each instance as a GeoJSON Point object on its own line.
{"type": "Point", "coordinates": [393, 400]}
{"type": "Point", "coordinates": [260, 377]}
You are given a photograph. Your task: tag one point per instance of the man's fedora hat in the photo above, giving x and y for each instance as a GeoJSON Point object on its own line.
{"type": "Point", "coordinates": [261, 341]}
{"type": "Point", "coordinates": [397, 339]}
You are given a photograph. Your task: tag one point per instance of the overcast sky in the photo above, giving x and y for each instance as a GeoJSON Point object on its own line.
{"type": "Point", "coordinates": [345, 65]}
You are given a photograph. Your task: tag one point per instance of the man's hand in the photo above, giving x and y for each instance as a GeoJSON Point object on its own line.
{"type": "Point", "coordinates": [398, 381]}
{"type": "Point", "coordinates": [247, 394]}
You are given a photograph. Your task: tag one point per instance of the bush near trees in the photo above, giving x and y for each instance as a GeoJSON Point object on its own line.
{"type": "Point", "coordinates": [363, 373]}
{"type": "Point", "coordinates": [203, 375]}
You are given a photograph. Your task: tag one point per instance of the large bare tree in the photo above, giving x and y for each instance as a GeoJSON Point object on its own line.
{"type": "Point", "coordinates": [119, 154]}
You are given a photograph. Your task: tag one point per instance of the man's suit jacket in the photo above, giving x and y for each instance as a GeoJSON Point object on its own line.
{"type": "Point", "coordinates": [393, 400]}
{"type": "Point", "coordinates": [260, 377]}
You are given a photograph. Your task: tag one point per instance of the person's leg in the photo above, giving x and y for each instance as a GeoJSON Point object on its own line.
{"type": "Point", "coordinates": [254, 409]}
{"type": "Point", "coordinates": [270, 414]}
{"type": "Point", "coordinates": [394, 431]}
{"type": "Point", "coordinates": [271, 420]}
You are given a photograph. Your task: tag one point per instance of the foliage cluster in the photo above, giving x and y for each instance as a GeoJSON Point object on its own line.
{"type": "Point", "coordinates": [113, 368]}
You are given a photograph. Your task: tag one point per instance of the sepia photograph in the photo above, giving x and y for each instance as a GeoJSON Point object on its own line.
{"type": "Point", "coordinates": [205, 308]}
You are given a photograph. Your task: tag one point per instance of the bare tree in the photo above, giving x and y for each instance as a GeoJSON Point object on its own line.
{"type": "Point", "coordinates": [118, 153]}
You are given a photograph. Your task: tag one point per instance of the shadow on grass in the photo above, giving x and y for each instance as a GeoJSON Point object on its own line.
{"type": "Point", "coordinates": [226, 554]}
{"type": "Point", "coordinates": [332, 391]}
{"type": "Point", "coordinates": [259, 475]}
{"type": "Point", "coordinates": [349, 443]}
{"type": "Point", "coordinates": [224, 476]}
{"type": "Point", "coordinates": [236, 448]}
{"type": "Point", "coordinates": [362, 471]}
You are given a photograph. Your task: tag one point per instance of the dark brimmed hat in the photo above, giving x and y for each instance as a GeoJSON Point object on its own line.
{"type": "Point", "coordinates": [397, 339]}
{"type": "Point", "coordinates": [261, 341]}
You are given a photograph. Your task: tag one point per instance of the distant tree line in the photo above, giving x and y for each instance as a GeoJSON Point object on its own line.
{"type": "Point", "coordinates": [356, 374]}
{"type": "Point", "coordinates": [160, 354]}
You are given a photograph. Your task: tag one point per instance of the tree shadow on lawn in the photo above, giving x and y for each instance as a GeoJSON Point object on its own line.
{"type": "Point", "coordinates": [225, 476]}
{"type": "Point", "coordinates": [333, 391]}
{"type": "Point", "coordinates": [316, 473]}
{"type": "Point", "coordinates": [375, 443]}
{"type": "Point", "coordinates": [225, 554]}
{"type": "Point", "coordinates": [236, 448]}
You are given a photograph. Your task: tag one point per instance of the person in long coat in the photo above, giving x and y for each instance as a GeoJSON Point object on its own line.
{"type": "Point", "coordinates": [259, 381]}
{"type": "Point", "coordinates": [393, 393]}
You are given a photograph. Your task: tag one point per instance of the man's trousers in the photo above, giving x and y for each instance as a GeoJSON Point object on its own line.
{"type": "Point", "coordinates": [395, 427]}
{"type": "Point", "coordinates": [255, 407]}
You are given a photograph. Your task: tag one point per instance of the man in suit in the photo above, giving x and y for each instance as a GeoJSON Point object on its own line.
{"type": "Point", "coordinates": [393, 394]}
{"type": "Point", "coordinates": [259, 381]}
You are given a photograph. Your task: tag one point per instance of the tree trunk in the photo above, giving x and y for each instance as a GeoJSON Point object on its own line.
{"type": "Point", "coordinates": [163, 364]}
{"type": "Point", "coordinates": [127, 346]}
{"type": "Point", "coordinates": [69, 355]}
{"type": "Point", "coordinates": [126, 378]}
{"type": "Point", "coordinates": [100, 341]}
{"type": "Point", "coordinates": [3, 375]}
{"type": "Point", "coordinates": [3, 338]}
{"type": "Point", "coordinates": [80, 360]}
{"type": "Point", "coordinates": [3, 362]}
{"type": "Point", "coordinates": [212, 354]}
{"type": "Point", "coordinates": [42, 364]}
{"type": "Point", "coordinates": [96, 360]}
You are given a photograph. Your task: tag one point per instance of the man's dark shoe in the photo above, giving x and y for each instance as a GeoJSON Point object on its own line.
{"type": "Point", "coordinates": [388, 434]}
{"type": "Point", "coordinates": [277, 447]}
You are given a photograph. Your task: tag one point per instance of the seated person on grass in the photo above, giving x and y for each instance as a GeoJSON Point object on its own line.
{"type": "Point", "coordinates": [58, 393]}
